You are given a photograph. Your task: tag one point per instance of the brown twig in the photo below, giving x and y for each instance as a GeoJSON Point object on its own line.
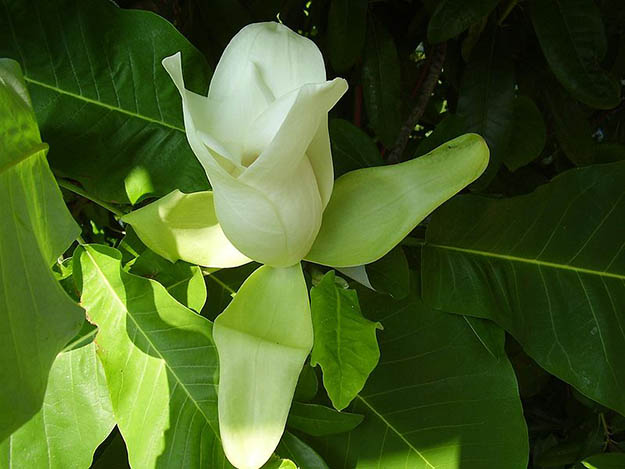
{"type": "Point", "coordinates": [434, 68]}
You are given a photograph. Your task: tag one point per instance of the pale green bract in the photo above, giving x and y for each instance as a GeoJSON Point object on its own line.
{"type": "Point", "coordinates": [262, 137]}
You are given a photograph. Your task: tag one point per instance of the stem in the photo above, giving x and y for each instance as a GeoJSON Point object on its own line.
{"type": "Point", "coordinates": [434, 68]}
{"type": "Point", "coordinates": [77, 190]}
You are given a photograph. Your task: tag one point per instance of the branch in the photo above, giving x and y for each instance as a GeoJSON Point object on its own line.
{"type": "Point", "coordinates": [434, 68]}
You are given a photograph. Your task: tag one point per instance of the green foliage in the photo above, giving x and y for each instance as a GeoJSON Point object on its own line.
{"type": "Point", "coordinates": [510, 355]}
{"type": "Point", "coordinates": [77, 401]}
{"type": "Point", "coordinates": [346, 345]}
{"type": "Point", "coordinates": [160, 364]}
{"type": "Point", "coordinates": [544, 273]}
{"type": "Point", "coordinates": [104, 103]}
{"type": "Point", "coordinates": [37, 317]}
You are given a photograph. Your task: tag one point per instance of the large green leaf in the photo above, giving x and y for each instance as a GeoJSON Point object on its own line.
{"type": "Point", "coordinates": [452, 17]}
{"type": "Point", "coordinates": [160, 363]}
{"type": "Point", "coordinates": [572, 37]}
{"type": "Point", "coordinates": [76, 417]}
{"type": "Point", "coordinates": [437, 399]}
{"type": "Point", "coordinates": [37, 317]}
{"type": "Point", "coordinates": [345, 342]}
{"type": "Point", "coordinates": [605, 461]}
{"type": "Point", "coordinates": [549, 267]}
{"type": "Point", "coordinates": [381, 83]}
{"type": "Point", "coordinates": [106, 106]}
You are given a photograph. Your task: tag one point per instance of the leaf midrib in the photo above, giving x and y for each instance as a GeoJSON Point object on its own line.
{"type": "Point", "coordinates": [119, 300]}
{"type": "Point", "coordinates": [102, 104]}
{"type": "Point", "coordinates": [523, 260]}
{"type": "Point", "coordinates": [397, 432]}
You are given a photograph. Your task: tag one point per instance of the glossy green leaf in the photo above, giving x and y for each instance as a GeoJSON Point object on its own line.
{"type": "Point", "coordinates": [486, 102]}
{"type": "Point", "coordinates": [183, 281]}
{"type": "Point", "coordinates": [347, 25]}
{"type": "Point", "coordinates": [452, 17]}
{"type": "Point", "coordinates": [528, 135]}
{"type": "Point", "coordinates": [373, 209]}
{"type": "Point", "coordinates": [300, 453]}
{"type": "Point", "coordinates": [549, 267]}
{"type": "Point", "coordinates": [381, 83]}
{"type": "Point", "coordinates": [572, 37]}
{"type": "Point", "coordinates": [319, 420]}
{"type": "Point", "coordinates": [185, 226]}
{"type": "Point", "coordinates": [75, 418]}
{"type": "Point", "coordinates": [37, 317]}
{"type": "Point", "coordinates": [346, 345]}
{"type": "Point", "coordinates": [605, 461]}
{"type": "Point", "coordinates": [98, 89]}
{"type": "Point", "coordinates": [437, 399]}
{"type": "Point", "coordinates": [352, 148]}
{"type": "Point", "coordinates": [263, 338]}
{"type": "Point", "coordinates": [160, 364]}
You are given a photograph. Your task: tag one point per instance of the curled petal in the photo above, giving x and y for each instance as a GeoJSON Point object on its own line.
{"type": "Point", "coordinates": [371, 210]}
{"type": "Point", "coordinates": [184, 226]}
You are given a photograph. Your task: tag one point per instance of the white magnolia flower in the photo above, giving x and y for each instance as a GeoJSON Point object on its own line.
{"type": "Point", "coordinates": [261, 135]}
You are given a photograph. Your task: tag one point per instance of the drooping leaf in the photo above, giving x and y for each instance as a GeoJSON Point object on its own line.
{"type": "Point", "coordinates": [452, 17]}
{"type": "Point", "coordinates": [75, 418]}
{"type": "Point", "coordinates": [185, 226]}
{"type": "Point", "coordinates": [373, 209]}
{"type": "Point", "coordinates": [319, 420]}
{"type": "Point", "coordinates": [437, 398]}
{"type": "Point", "coordinates": [160, 363]}
{"type": "Point", "coordinates": [345, 342]}
{"type": "Point", "coordinates": [98, 88]}
{"type": "Point", "coordinates": [486, 103]}
{"type": "Point", "coordinates": [347, 25]}
{"type": "Point", "coordinates": [381, 83]}
{"type": "Point", "coordinates": [572, 37]}
{"type": "Point", "coordinates": [528, 135]}
{"type": "Point", "coordinates": [549, 267]}
{"type": "Point", "coordinates": [352, 148]}
{"type": "Point", "coordinates": [37, 318]}
{"type": "Point", "coordinates": [300, 453]}
{"type": "Point", "coordinates": [263, 338]}
{"type": "Point", "coordinates": [183, 281]}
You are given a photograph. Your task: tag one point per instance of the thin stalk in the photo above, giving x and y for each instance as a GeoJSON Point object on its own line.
{"type": "Point", "coordinates": [413, 242]}
{"type": "Point", "coordinates": [77, 190]}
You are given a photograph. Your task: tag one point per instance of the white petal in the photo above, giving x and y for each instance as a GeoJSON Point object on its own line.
{"type": "Point", "coordinates": [184, 226]}
{"type": "Point", "coordinates": [263, 338]}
